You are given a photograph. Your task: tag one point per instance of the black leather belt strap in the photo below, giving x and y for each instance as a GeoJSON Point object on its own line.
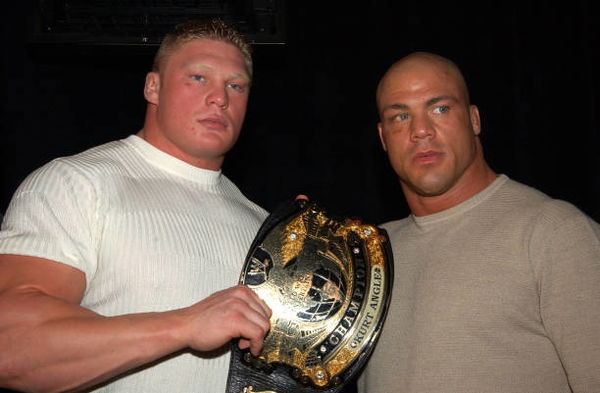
{"type": "Point", "coordinates": [245, 378]}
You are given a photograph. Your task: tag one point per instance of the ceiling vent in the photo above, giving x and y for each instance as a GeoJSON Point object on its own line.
{"type": "Point", "coordinates": [144, 22]}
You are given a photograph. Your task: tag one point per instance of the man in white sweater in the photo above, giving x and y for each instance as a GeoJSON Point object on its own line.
{"type": "Point", "coordinates": [118, 265]}
{"type": "Point", "coordinates": [497, 285]}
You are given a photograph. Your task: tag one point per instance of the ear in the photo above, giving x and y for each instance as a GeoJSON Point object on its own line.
{"type": "Point", "coordinates": [152, 87]}
{"type": "Point", "coordinates": [475, 119]}
{"type": "Point", "coordinates": [380, 129]}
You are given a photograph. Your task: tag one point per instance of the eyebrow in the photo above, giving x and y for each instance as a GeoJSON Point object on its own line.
{"type": "Point", "coordinates": [204, 67]}
{"type": "Point", "coordinates": [395, 106]}
{"type": "Point", "coordinates": [429, 102]}
{"type": "Point", "coordinates": [437, 99]}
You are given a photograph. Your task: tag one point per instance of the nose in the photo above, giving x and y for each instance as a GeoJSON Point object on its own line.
{"type": "Point", "coordinates": [218, 96]}
{"type": "Point", "coordinates": [421, 128]}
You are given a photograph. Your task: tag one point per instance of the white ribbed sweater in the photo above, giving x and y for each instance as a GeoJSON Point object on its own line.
{"type": "Point", "coordinates": [150, 232]}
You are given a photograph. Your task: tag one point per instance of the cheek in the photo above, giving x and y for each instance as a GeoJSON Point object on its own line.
{"type": "Point", "coordinates": [461, 152]}
{"type": "Point", "coordinates": [238, 109]}
{"type": "Point", "coordinates": [178, 100]}
{"type": "Point", "coordinates": [397, 154]}
{"type": "Point", "coordinates": [396, 143]}
{"type": "Point", "coordinates": [464, 143]}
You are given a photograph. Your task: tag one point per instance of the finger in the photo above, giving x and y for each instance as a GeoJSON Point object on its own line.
{"type": "Point", "coordinates": [243, 343]}
{"type": "Point", "coordinates": [264, 306]}
{"type": "Point", "coordinates": [252, 337]}
{"type": "Point", "coordinates": [254, 349]}
{"type": "Point", "coordinates": [254, 301]}
{"type": "Point", "coordinates": [261, 321]}
{"type": "Point", "coordinates": [248, 312]}
{"type": "Point", "coordinates": [256, 346]}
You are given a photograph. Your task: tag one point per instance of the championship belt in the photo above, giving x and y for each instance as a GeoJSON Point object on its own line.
{"type": "Point", "coordinates": [328, 284]}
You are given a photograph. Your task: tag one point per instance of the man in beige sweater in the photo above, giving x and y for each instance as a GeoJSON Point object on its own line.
{"type": "Point", "coordinates": [118, 265]}
{"type": "Point", "coordinates": [497, 286]}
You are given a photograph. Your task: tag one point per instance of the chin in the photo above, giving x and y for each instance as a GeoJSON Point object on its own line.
{"type": "Point", "coordinates": [432, 185]}
{"type": "Point", "coordinates": [214, 143]}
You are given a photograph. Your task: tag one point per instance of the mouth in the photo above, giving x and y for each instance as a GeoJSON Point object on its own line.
{"type": "Point", "coordinates": [214, 123]}
{"type": "Point", "coordinates": [427, 157]}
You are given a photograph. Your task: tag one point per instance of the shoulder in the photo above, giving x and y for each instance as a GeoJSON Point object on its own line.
{"type": "Point", "coordinates": [238, 201]}
{"type": "Point", "coordinates": [90, 159]}
{"type": "Point", "coordinates": [516, 202]}
{"type": "Point", "coordinates": [561, 219]}
{"type": "Point", "coordinates": [105, 157]}
{"type": "Point", "coordinates": [549, 220]}
{"type": "Point", "coordinates": [108, 157]}
{"type": "Point", "coordinates": [513, 191]}
{"type": "Point", "coordinates": [543, 207]}
{"type": "Point", "coordinates": [81, 174]}
{"type": "Point", "coordinates": [395, 225]}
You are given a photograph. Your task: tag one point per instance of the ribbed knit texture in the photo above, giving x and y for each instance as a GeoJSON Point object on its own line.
{"type": "Point", "coordinates": [150, 232]}
{"type": "Point", "coordinates": [500, 294]}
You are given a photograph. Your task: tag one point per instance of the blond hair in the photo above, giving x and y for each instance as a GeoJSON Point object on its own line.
{"type": "Point", "coordinates": [213, 29]}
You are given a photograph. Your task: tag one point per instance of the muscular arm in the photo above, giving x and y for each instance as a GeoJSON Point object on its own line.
{"type": "Point", "coordinates": [44, 332]}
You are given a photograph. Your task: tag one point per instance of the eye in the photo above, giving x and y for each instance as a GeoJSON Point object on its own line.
{"type": "Point", "coordinates": [441, 109]}
{"type": "Point", "coordinates": [237, 87]}
{"type": "Point", "coordinates": [198, 78]}
{"type": "Point", "coordinates": [400, 117]}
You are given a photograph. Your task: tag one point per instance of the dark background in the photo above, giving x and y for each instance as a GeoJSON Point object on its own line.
{"type": "Point", "coordinates": [311, 126]}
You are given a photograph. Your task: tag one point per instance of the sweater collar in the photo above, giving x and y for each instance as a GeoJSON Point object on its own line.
{"type": "Point", "coordinates": [461, 208]}
{"type": "Point", "coordinates": [171, 164]}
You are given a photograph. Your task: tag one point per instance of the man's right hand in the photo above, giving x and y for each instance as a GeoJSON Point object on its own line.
{"type": "Point", "coordinates": [236, 312]}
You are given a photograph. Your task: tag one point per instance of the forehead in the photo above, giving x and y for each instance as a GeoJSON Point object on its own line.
{"type": "Point", "coordinates": [420, 80]}
{"type": "Point", "coordinates": [210, 53]}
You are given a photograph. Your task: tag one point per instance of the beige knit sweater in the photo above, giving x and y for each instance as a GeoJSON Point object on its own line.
{"type": "Point", "coordinates": [500, 294]}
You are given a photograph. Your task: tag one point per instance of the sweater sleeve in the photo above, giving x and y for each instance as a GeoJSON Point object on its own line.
{"type": "Point", "coordinates": [565, 252]}
{"type": "Point", "coordinates": [53, 215]}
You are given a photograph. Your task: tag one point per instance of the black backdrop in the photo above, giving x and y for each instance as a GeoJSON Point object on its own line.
{"type": "Point", "coordinates": [532, 68]}
{"type": "Point", "coordinates": [533, 71]}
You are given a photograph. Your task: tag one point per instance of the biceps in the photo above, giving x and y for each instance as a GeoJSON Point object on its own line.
{"type": "Point", "coordinates": [37, 275]}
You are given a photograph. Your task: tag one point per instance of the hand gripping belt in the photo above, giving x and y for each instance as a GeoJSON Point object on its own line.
{"type": "Point", "coordinates": [328, 284]}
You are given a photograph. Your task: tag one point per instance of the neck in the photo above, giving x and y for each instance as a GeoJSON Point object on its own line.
{"type": "Point", "coordinates": [152, 134]}
{"type": "Point", "coordinates": [473, 181]}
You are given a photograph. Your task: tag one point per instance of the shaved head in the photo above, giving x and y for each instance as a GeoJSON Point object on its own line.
{"type": "Point", "coordinates": [430, 132]}
{"type": "Point", "coordinates": [423, 62]}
